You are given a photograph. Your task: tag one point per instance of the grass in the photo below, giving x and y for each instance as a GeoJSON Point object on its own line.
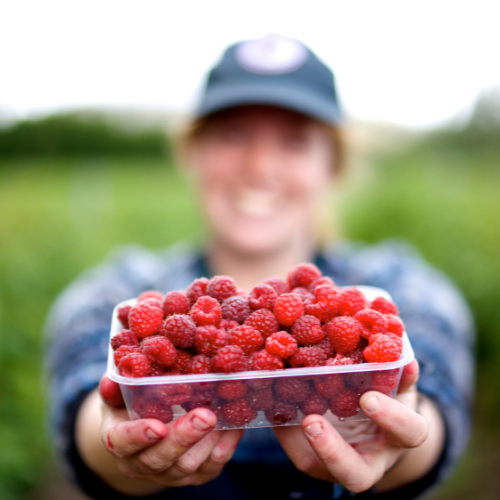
{"type": "Point", "coordinates": [57, 217]}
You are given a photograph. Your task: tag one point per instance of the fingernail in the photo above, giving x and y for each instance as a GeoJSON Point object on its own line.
{"type": "Point", "coordinates": [314, 430]}
{"type": "Point", "coordinates": [152, 434]}
{"type": "Point", "coordinates": [372, 404]}
{"type": "Point", "coordinates": [199, 424]}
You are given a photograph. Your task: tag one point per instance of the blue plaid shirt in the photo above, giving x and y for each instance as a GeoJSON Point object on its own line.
{"type": "Point", "coordinates": [437, 320]}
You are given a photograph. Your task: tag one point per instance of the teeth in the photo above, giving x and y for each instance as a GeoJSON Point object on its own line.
{"type": "Point", "coordinates": [256, 203]}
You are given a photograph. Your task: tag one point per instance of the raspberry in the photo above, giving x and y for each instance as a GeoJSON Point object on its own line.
{"type": "Point", "coordinates": [324, 305]}
{"type": "Point", "coordinates": [208, 340]}
{"type": "Point", "coordinates": [383, 349]}
{"type": "Point", "coordinates": [235, 309]}
{"type": "Point", "coordinates": [307, 330]}
{"type": "Point", "coordinates": [263, 360]}
{"type": "Point", "coordinates": [345, 403]}
{"type": "Point", "coordinates": [395, 325]}
{"type": "Point", "coordinates": [324, 280]}
{"type": "Point", "coordinates": [288, 308]}
{"type": "Point", "coordinates": [385, 381]}
{"type": "Point", "coordinates": [262, 297]}
{"type": "Point", "coordinates": [206, 311]}
{"type": "Point", "coordinates": [259, 383]}
{"type": "Point", "coordinates": [261, 400]}
{"type": "Point", "coordinates": [314, 404]}
{"type": "Point", "coordinates": [279, 285]}
{"type": "Point", "coordinates": [351, 301]}
{"type": "Point", "coordinates": [281, 344]}
{"type": "Point", "coordinates": [199, 364]}
{"type": "Point", "coordinates": [238, 412]}
{"type": "Point", "coordinates": [197, 289]}
{"type": "Point", "coordinates": [154, 409]}
{"type": "Point", "coordinates": [183, 360]}
{"type": "Point", "coordinates": [344, 333]}
{"type": "Point", "coordinates": [356, 356]}
{"type": "Point", "coordinates": [150, 294]}
{"type": "Point", "coordinates": [159, 350]}
{"type": "Point", "coordinates": [372, 322]}
{"type": "Point", "coordinates": [110, 392]}
{"type": "Point", "coordinates": [264, 321]}
{"type": "Point", "coordinates": [180, 330]}
{"type": "Point", "coordinates": [134, 365]}
{"type": "Point", "coordinates": [174, 394]}
{"type": "Point", "coordinates": [229, 359]}
{"type": "Point", "coordinates": [145, 320]}
{"type": "Point", "coordinates": [359, 382]}
{"type": "Point", "coordinates": [282, 413]}
{"type": "Point", "coordinates": [303, 275]}
{"type": "Point", "coordinates": [157, 371]}
{"type": "Point", "coordinates": [293, 389]}
{"type": "Point", "coordinates": [307, 356]}
{"type": "Point", "coordinates": [175, 303]}
{"type": "Point", "coordinates": [204, 386]}
{"type": "Point", "coordinates": [123, 315]}
{"type": "Point", "coordinates": [152, 302]}
{"type": "Point", "coordinates": [246, 337]}
{"type": "Point", "coordinates": [202, 399]}
{"type": "Point", "coordinates": [329, 385]}
{"type": "Point", "coordinates": [125, 337]}
{"type": "Point", "coordinates": [228, 325]}
{"type": "Point", "coordinates": [326, 346]}
{"type": "Point", "coordinates": [231, 389]}
{"type": "Point", "coordinates": [303, 292]}
{"type": "Point", "coordinates": [123, 351]}
{"type": "Point", "coordinates": [384, 306]}
{"type": "Point", "coordinates": [221, 287]}
{"type": "Point", "coordinates": [340, 360]}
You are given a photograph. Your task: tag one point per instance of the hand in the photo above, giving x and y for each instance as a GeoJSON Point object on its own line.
{"type": "Point", "coordinates": [184, 452]}
{"type": "Point", "coordinates": [317, 449]}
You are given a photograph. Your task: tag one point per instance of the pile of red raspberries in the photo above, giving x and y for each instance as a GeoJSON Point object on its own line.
{"type": "Point", "coordinates": [212, 327]}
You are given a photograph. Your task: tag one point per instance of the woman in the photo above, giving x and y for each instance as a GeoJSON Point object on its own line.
{"type": "Point", "coordinates": [264, 149]}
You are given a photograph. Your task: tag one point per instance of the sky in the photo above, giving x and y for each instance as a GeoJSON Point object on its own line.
{"type": "Point", "coordinates": [417, 64]}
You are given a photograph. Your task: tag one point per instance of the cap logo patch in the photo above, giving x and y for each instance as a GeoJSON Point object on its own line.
{"type": "Point", "coordinates": [271, 55]}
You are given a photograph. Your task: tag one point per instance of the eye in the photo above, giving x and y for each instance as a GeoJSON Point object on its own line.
{"type": "Point", "coordinates": [233, 133]}
{"type": "Point", "coordinates": [295, 141]}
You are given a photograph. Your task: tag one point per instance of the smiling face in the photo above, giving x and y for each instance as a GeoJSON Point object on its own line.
{"type": "Point", "coordinates": [261, 173]}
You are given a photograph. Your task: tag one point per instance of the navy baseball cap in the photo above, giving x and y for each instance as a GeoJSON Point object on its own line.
{"type": "Point", "coordinates": [275, 71]}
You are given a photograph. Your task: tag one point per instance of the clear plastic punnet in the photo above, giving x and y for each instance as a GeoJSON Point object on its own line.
{"type": "Point", "coordinates": [275, 398]}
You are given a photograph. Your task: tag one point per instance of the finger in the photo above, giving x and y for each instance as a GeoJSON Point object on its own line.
{"type": "Point", "coordinates": [400, 423]}
{"type": "Point", "coordinates": [299, 450]}
{"type": "Point", "coordinates": [409, 376]}
{"type": "Point", "coordinates": [182, 435]}
{"type": "Point", "coordinates": [190, 462]}
{"type": "Point", "coordinates": [221, 453]}
{"type": "Point", "coordinates": [356, 472]}
{"type": "Point", "coordinates": [123, 437]}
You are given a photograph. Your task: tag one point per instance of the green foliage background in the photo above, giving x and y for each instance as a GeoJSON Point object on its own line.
{"type": "Point", "coordinates": [60, 214]}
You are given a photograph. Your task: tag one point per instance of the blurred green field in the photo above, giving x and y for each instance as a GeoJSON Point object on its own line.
{"type": "Point", "coordinates": [57, 217]}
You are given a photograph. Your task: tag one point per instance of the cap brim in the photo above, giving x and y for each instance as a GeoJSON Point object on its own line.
{"type": "Point", "coordinates": [288, 97]}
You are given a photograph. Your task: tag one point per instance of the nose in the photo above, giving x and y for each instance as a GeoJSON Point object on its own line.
{"type": "Point", "coordinates": [261, 161]}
